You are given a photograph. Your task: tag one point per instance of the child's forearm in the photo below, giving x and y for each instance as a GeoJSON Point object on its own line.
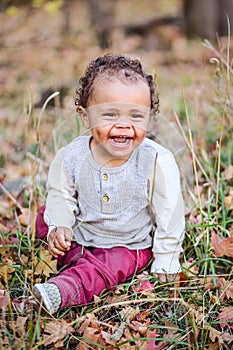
{"type": "Point", "coordinates": [168, 208]}
{"type": "Point", "coordinates": [61, 203]}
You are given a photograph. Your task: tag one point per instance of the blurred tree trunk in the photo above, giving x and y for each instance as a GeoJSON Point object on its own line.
{"type": "Point", "coordinates": [66, 17]}
{"type": "Point", "coordinates": [205, 18]}
{"type": "Point", "coordinates": [102, 16]}
{"type": "Point", "coordinates": [226, 9]}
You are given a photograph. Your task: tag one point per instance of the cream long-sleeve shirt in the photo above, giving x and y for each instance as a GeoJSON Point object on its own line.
{"type": "Point", "coordinates": [108, 207]}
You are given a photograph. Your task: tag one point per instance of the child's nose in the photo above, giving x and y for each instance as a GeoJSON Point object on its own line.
{"type": "Point", "coordinates": [123, 122]}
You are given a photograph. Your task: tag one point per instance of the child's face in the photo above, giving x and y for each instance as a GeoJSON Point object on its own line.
{"type": "Point", "coordinates": [118, 116]}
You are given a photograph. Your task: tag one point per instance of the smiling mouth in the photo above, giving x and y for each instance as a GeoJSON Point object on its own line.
{"type": "Point", "coordinates": [120, 140]}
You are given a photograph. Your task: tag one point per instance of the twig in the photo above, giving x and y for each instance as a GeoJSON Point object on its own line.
{"type": "Point", "coordinates": [194, 155]}
{"type": "Point", "coordinates": [128, 302]}
{"type": "Point", "coordinates": [4, 190]}
{"type": "Point", "coordinates": [207, 44]}
{"type": "Point", "coordinates": [219, 144]}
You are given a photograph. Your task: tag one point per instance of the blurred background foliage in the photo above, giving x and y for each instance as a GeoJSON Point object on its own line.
{"type": "Point", "coordinates": [46, 45]}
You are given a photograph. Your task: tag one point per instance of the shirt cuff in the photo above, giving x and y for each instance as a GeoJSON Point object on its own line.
{"type": "Point", "coordinates": [166, 263]}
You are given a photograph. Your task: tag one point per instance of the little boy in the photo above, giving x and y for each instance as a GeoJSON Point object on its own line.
{"type": "Point", "coordinates": [114, 199]}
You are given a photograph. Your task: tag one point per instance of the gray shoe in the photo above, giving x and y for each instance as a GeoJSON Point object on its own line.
{"type": "Point", "coordinates": [47, 295]}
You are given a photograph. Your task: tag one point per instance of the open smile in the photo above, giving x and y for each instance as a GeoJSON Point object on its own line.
{"type": "Point", "coordinates": [120, 141]}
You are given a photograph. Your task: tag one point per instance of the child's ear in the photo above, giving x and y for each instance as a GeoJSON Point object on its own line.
{"type": "Point", "coordinates": [84, 117]}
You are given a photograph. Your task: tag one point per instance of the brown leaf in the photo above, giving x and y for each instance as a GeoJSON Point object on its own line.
{"type": "Point", "coordinates": [151, 344]}
{"type": "Point", "coordinates": [3, 299]}
{"type": "Point", "coordinates": [227, 337]}
{"type": "Point", "coordinates": [222, 247]}
{"type": "Point", "coordinates": [129, 313]}
{"type": "Point", "coordinates": [225, 287]}
{"type": "Point", "coordinates": [226, 317]}
{"type": "Point", "coordinates": [20, 325]}
{"type": "Point", "coordinates": [3, 228]}
{"type": "Point", "coordinates": [145, 288]}
{"type": "Point", "coordinates": [59, 344]}
{"type": "Point", "coordinates": [25, 218]}
{"type": "Point", "coordinates": [24, 259]}
{"type": "Point", "coordinates": [108, 338]}
{"type": "Point", "coordinates": [171, 330]}
{"type": "Point", "coordinates": [214, 334]}
{"type": "Point", "coordinates": [139, 326]}
{"type": "Point", "coordinates": [56, 331]}
{"type": "Point", "coordinates": [229, 290]}
{"type": "Point", "coordinates": [228, 200]}
{"type": "Point", "coordinates": [92, 334]}
{"type": "Point", "coordinates": [6, 270]}
{"type": "Point", "coordinates": [6, 208]}
{"type": "Point", "coordinates": [214, 346]}
{"type": "Point", "coordinates": [218, 337]}
{"type": "Point", "coordinates": [46, 266]}
{"type": "Point", "coordinates": [228, 173]}
{"type": "Point", "coordinates": [90, 321]}
{"type": "Point", "coordinates": [191, 269]}
{"type": "Point", "coordinates": [82, 346]}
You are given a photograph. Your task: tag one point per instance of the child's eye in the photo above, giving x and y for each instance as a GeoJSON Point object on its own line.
{"type": "Point", "coordinates": [136, 116]}
{"type": "Point", "coordinates": [110, 115]}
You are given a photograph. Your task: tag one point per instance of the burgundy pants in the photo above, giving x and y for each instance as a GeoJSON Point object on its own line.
{"type": "Point", "coordinates": [86, 272]}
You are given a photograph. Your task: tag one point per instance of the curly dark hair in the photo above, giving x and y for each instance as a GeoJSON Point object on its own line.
{"type": "Point", "coordinates": [119, 66]}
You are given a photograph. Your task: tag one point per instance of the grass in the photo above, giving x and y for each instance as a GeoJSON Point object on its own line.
{"type": "Point", "coordinates": [176, 316]}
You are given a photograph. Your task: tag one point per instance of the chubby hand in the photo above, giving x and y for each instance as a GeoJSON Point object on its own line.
{"type": "Point", "coordinates": [168, 278]}
{"type": "Point", "coordinates": [59, 241]}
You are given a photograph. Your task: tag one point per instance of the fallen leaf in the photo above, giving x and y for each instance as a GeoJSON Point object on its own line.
{"type": "Point", "coordinates": [171, 330]}
{"type": "Point", "coordinates": [228, 201]}
{"type": "Point", "coordinates": [59, 344]}
{"type": "Point", "coordinates": [3, 228]}
{"type": "Point", "coordinates": [46, 266]}
{"type": "Point", "coordinates": [217, 336]}
{"type": "Point", "coordinates": [8, 247]}
{"type": "Point", "coordinates": [214, 346]}
{"type": "Point", "coordinates": [228, 173]}
{"type": "Point", "coordinates": [56, 331]}
{"type": "Point", "coordinates": [225, 287]}
{"type": "Point", "coordinates": [129, 313]}
{"type": "Point", "coordinates": [25, 218]}
{"type": "Point", "coordinates": [227, 337]}
{"type": "Point", "coordinates": [214, 334]}
{"type": "Point", "coordinates": [90, 320]}
{"type": "Point", "coordinates": [19, 325]}
{"type": "Point", "coordinates": [6, 270]}
{"type": "Point", "coordinates": [108, 338]}
{"type": "Point", "coordinates": [139, 326]}
{"type": "Point", "coordinates": [151, 344]}
{"type": "Point", "coordinates": [119, 332]}
{"type": "Point", "coordinates": [226, 317]}
{"type": "Point", "coordinates": [191, 269]}
{"type": "Point", "coordinates": [222, 247]}
{"type": "Point", "coordinates": [82, 346]}
{"type": "Point", "coordinates": [97, 299]}
{"type": "Point", "coordinates": [229, 290]}
{"type": "Point", "coordinates": [6, 208]}
{"type": "Point", "coordinates": [144, 288]}
{"type": "Point", "coordinates": [3, 299]}
{"type": "Point", "coordinates": [90, 334]}
{"type": "Point", "coordinates": [24, 259]}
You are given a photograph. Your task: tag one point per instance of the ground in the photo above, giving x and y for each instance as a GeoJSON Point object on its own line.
{"type": "Point", "coordinates": [37, 60]}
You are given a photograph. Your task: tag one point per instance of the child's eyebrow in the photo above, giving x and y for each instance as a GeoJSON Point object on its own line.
{"type": "Point", "coordinates": [108, 108]}
{"type": "Point", "coordinates": [119, 107]}
{"type": "Point", "coordinates": [139, 110]}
